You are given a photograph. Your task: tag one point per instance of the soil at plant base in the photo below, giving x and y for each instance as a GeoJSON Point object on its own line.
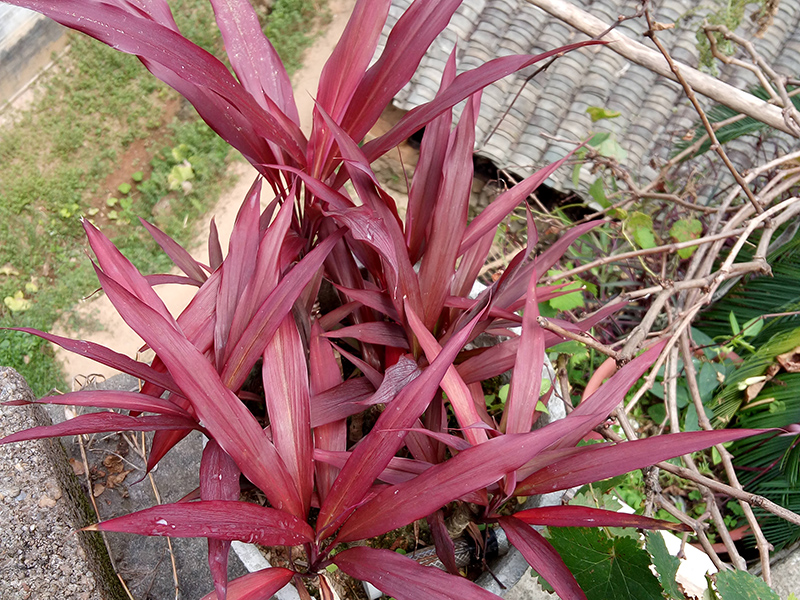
{"type": "Point", "coordinates": [109, 329]}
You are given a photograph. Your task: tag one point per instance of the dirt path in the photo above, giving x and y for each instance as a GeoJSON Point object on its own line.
{"type": "Point", "coordinates": [112, 330]}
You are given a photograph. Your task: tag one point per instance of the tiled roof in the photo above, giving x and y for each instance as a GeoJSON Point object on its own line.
{"type": "Point", "coordinates": [654, 111]}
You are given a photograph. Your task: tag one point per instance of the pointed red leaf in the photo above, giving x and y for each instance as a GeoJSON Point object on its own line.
{"type": "Point", "coordinates": [506, 202]}
{"type": "Point", "coordinates": [134, 401]}
{"type": "Point", "coordinates": [229, 422]}
{"type": "Point", "coordinates": [473, 469]}
{"type": "Point", "coordinates": [375, 299]}
{"type": "Point", "coordinates": [407, 43]}
{"type": "Point", "coordinates": [445, 548]}
{"type": "Point", "coordinates": [182, 259]}
{"type": "Point", "coordinates": [219, 480]}
{"type": "Point", "coordinates": [462, 87]}
{"type": "Point", "coordinates": [457, 392]}
{"type": "Point", "coordinates": [101, 422]}
{"type": "Point", "coordinates": [582, 516]}
{"type": "Point", "coordinates": [373, 332]}
{"type": "Point", "coordinates": [256, 586]}
{"type": "Point", "coordinates": [325, 376]}
{"type": "Point", "coordinates": [106, 357]}
{"type": "Point", "coordinates": [285, 375]}
{"type": "Point", "coordinates": [449, 216]}
{"type": "Point", "coordinates": [218, 519]}
{"type": "Point", "coordinates": [526, 382]}
{"type": "Point", "coordinates": [339, 402]}
{"type": "Point", "coordinates": [405, 579]}
{"type": "Point", "coordinates": [271, 312]}
{"type": "Point", "coordinates": [237, 270]}
{"type": "Point", "coordinates": [543, 558]}
{"type": "Point", "coordinates": [608, 460]}
{"type": "Point", "coordinates": [375, 450]}
{"type": "Point", "coordinates": [214, 248]}
{"type": "Point", "coordinates": [254, 60]}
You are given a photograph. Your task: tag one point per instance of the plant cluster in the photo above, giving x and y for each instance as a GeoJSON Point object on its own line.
{"type": "Point", "coordinates": [395, 347]}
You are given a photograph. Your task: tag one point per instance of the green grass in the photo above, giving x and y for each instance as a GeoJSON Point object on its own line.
{"type": "Point", "coordinates": [57, 159]}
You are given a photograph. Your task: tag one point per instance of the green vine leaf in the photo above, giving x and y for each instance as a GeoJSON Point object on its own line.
{"type": "Point", "coordinates": [606, 567]}
{"type": "Point", "coordinates": [741, 585]}
{"type": "Point", "coordinates": [666, 565]}
{"type": "Point", "coordinates": [685, 230]}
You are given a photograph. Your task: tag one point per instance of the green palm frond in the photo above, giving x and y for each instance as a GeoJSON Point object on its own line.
{"type": "Point", "coordinates": [746, 126]}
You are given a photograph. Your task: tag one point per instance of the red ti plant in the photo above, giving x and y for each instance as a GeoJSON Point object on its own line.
{"type": "Point", "coordinates": [404, 320]}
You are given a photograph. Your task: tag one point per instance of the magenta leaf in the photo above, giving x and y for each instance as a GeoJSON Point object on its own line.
{"type": "Point", "coordinates": [107, 357]}
{"type": "Point", "coordinates": [256, 586]}
{"type": "Point", "coordinates": [602, 461]}
{"type": "Point", "coordinates": [101, 422]}
{"type": "Point", "coordinates": [475, 468]}
{"type": "Point", "coordinates": [375, 450]}
{"type": "Point", "coordinates": [228, 421]}
{"type": "Point", "coordinates": [373, 332]}
{"type": "Point", "coordinates": [217, 519]}
{"type": "Point", "coordinates": [182, 259]}
{"type": "Point", "coordinates": [134, 401]}
{"type": "Point", "coordinates": [405, 579]}
{"type": "Point", "coordinates": [219, 480]}
{"type": "Point", "coordinates": [542, 557]}
{"type": "Point", "coordinates": [582, 516]}
{"type": "Point", "coordinates": [462, 87]}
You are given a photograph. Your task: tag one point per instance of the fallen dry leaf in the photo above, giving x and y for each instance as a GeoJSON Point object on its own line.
{"type": "Point", "coordinates": [790, 361]}
{"type": "Point", "coordinates": [98, 489]}
{"type": "Point", "coordinates": [77, 466]}
{"type": "Point", "coordinates": [113, 463]}
{"type": "Point", "coordinates": [116, 479]}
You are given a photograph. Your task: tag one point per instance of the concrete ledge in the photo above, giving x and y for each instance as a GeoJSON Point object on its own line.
{"type": "Point", "coordinates": [42, 557]}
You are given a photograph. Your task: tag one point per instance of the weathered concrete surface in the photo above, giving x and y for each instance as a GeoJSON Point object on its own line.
{"type": "Point", "coordinates": [41, 506]}
{"type": "Point", "coordinates": [26, 42]}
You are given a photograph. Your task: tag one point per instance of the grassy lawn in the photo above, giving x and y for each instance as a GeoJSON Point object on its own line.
{"type": "Point", "coordinates": [105, 140]}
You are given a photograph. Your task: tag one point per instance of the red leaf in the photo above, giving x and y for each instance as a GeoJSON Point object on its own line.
{"type": "Point", "coordinates": [473, 469]}
{"type": "Point", "coordinates": [182, 259]}
{"type": "Point", "coordinates": [218, 409]}
{"type": "Point", "coordinates": [214, 248]}
{"type": "Point", "coordinates": [405, 579]}
{"type": "Point", "coordinates": [582, 516]}
{"type": "Point", "coordinates": [457, 392]}
{"type": "Point", "coordinates": [256, 586]}
{"type": "Point", "coordinates": [285, 376]}
{"type": "Point", "coordinates": [217, 519]}
{"type": "Point", "coordinates": [375, 299]}
{"type": "Point", "coordinates": [219, 480]}
{"type": "Point", "coordinates": [339, 402]}
{"type": "Point", "coordinates": [462, 87]}
{"type": "Point", "coordinates": [428, 174]}
{"type": "Point", "coordinates": [325, 376]}
{"type": "Point", "coordinates": [375, 450]}
{"type": "Point", "coordinates": [254, 60]}
{"type": "Point", "coordinates": [449, 217]}
{"type": "Point", "coordinates": [271, 312]}
{"type": "Point", "coordinates": [506, 202]}
{"type": "Point", "coordinates": [134, 401]}
{"type": "Point", "coordinates": [543, 558]}
{"type": "Point", "coordinates": [526, 382]}
{"type": "Point", "coordinates": [608, 460]}
{"type": "Point", "coordinates": [101, 422]}
{"type": "Point", "coordinates": [107, 357]}
{"type": "Point", "coordinates": [445, 548]}
{"type": "Point", "coordinates": [237, 270]}
{"type": "Point", "coordinates": [408, 42]}
{"type": "Point", "coordinates": [373, 332]}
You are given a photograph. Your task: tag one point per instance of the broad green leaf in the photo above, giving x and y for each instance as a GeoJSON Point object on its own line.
{"type": "Point", "coordinates": [666, 565]}
{"type": "Point", "coordinates": [596, 113]}
{"type": "Point", "coordinates": [611, 148]}
{"type": "Point", "coordinates": [638, 219]}
{"type": "Point", "coordinates": [17, 303]}
{"type": "Point", "coordinates": [685, 230]}
{"type": "Point", "coordinates": [644, 237]}
{"type": "Point", "coordinates": [597, 191]}
{"type": "Point", "coordinates": [569, 301]}
{"type": "Point", "coordinates": [124, 188]}
{"type": "Point", "coordinates": [753, 327]}
{"type": "Point", "coordinates": [741, 585]}
{"type": "Point", "coordinates": [734, 323]}
{"type": "Point", "coordinates": [606, 567]}
{"type": "Point", "coordinates": [598, 139]}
